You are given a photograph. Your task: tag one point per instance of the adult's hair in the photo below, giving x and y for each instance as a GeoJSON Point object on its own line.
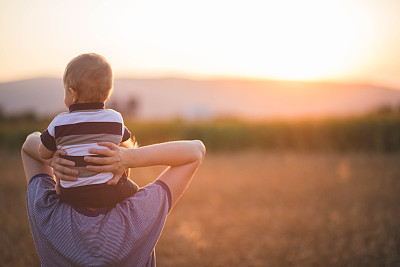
{"type": "Point", "coordinates": [91, 76]}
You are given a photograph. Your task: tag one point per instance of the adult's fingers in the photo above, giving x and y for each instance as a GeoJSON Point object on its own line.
{"type": "Point", "coordinates": [100, 151]}
{"type": "Point", "coordinates": [62, 161]}
{"type": "Point", "coordinates": [61, 167]}
{"type": "Point", "coordinates": [99, 160]}
{"type": "Point", "coordinates": [104, 168]}
{"type": "Point", "coordinates": [60, 152]}
{"type": "Point", "coordinates": [63, 176]}
{"type": "Point", "coordinates": [110, 145]}
{"type": "Point", "coordinates": [115, 179]}
{"type": "Point", "coordinates": [65, 170]}
{"type": "Point", "coordinates": [58, 160]}
{"type": "Point", "coordinates": [105, 152]}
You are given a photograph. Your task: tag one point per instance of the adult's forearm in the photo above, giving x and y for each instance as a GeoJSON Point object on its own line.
{"type": "Point", "coordinates": [169, 154]}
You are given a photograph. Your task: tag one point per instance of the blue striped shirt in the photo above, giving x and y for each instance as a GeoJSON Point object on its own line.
{"type": "Point", "coordinates": [124, 235]}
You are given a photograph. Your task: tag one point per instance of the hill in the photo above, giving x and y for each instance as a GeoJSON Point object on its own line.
{"type": "Point", "coordinates": [202, 99]}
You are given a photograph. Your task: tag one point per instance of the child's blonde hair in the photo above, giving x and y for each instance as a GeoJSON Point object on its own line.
{"type": "Point", "coordinates": [91, 76]}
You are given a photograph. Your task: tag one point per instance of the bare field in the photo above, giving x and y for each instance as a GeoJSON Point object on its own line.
{"type": "Point", "coordinates": [256, 209]}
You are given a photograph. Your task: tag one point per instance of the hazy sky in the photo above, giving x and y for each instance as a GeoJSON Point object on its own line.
{"type": "Point", "coordinates": [355, 40]}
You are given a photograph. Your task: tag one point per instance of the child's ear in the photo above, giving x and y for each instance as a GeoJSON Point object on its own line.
{"type": "Point", "coordinates": [74, 94]}
{"type": "Point", "coordinates": [109, 93]}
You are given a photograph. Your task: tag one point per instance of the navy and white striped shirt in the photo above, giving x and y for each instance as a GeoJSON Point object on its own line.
{"type": "Point", "coordinates": [81, 129]}
{"type": "Point", "coordinates": [124, 235]}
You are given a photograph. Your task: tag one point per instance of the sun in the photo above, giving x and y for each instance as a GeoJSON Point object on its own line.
{"type": "Point", "coordinates": [310, 40]}
{"type": "Point", "coordinates": [298, 40]}
{"type": "Point", "coordinates": [313, 42]}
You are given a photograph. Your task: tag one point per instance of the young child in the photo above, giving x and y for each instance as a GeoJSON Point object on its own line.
{"type": "Point", "coordinates": [88, 82]}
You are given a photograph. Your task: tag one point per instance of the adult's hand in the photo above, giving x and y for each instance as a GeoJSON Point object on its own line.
{"type": "Point", "coordinates": [61, 167]}
{"type": "Point", "coordinates": [112, 161]}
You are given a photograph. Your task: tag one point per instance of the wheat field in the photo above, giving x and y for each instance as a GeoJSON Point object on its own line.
{"type": "Point", "coordinates": [255, 209]}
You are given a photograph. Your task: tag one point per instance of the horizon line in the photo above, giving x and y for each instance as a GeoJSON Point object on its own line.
{"type": "Point", "coordinates": [204, 78]}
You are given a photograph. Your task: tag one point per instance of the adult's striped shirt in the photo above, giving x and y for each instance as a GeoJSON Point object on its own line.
{"type": "Point", "coordinates": [81, 129]}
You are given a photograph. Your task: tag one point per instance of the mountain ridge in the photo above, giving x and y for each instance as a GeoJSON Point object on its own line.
{"type": "Point", "coordinates": [169, 97]}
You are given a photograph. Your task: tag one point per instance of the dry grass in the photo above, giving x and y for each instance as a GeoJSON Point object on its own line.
{"type": "Point", "coordinates": [256, 209]}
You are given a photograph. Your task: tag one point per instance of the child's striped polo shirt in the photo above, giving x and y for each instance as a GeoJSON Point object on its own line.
{"type": "Point", "coordinates": [81, 129]}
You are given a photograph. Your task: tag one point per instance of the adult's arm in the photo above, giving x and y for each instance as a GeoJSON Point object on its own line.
{"type": "Point", "coordinates": [128, 144]}
{"type": "Point", "coordinates": [34, 164]}
{"type": "Point", "coordinates": [182, 158]}
{"type": "Point", "coordinates": [31, 160]}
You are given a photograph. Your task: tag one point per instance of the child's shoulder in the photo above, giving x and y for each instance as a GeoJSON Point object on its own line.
{"type": "Point", "coordinates": [105, 114]}
{"type": "Point", "coordinates": [112, 112]}
{"type": "Point", "coordinates": [60, 116]}
{"type": "Point", "coordinates": [57, 120]}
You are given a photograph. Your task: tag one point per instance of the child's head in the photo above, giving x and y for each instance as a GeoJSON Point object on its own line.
{"type": "Point", "coordinates": [90, 78]}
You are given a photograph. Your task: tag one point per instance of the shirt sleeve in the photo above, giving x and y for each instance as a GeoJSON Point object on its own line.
{"type": "Point", "coordinates": [126, 135]}
{"type": "Point", "coordinates": [48, 141]}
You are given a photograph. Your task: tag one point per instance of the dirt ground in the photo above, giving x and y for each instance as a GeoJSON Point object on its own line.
{"type": "Point", "coordinates": [255, 209]}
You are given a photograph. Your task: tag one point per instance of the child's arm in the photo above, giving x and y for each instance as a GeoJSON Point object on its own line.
{"type": "Point", "coordinates": [44, 153]}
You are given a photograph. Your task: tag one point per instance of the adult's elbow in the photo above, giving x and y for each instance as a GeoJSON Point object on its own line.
{"type": "Point", "coordinates": [200, 149]}
{"type": "Point", "coordinates": [29, 139]}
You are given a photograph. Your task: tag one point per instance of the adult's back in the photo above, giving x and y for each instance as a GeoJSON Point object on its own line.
{"type": "Point", "coordinates": [124, 235]}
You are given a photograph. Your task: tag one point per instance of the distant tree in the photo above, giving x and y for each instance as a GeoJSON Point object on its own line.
{"type": "Point", "coordinates": [127, 108]}
{"type": "Point", "coordinates": [386, 109]}
{"type": "Point", "coordinates": [28, 115]}
{"type": "Point", "coordinates": [113, 104]}
{"type": "Point", "coordinates": [2, 115]}
{"type": "Point", "coordinates": [131, 107]}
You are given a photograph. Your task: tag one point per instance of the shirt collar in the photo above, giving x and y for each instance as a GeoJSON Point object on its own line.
{"type": "Point", "coordinates": [86, 106]}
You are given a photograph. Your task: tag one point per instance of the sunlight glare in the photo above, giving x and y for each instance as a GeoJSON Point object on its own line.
{"type": "Point", "coordinates": [309, 40]}
{"type": "Point", "coordinates": [268, 39]}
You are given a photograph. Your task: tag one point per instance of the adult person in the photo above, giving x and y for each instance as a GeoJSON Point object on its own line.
{"type": "Point", "coordinates": [124, 235]}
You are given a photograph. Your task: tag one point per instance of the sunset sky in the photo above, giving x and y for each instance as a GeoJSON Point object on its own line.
{"type": "Point", "coordinates": [344, 40]}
